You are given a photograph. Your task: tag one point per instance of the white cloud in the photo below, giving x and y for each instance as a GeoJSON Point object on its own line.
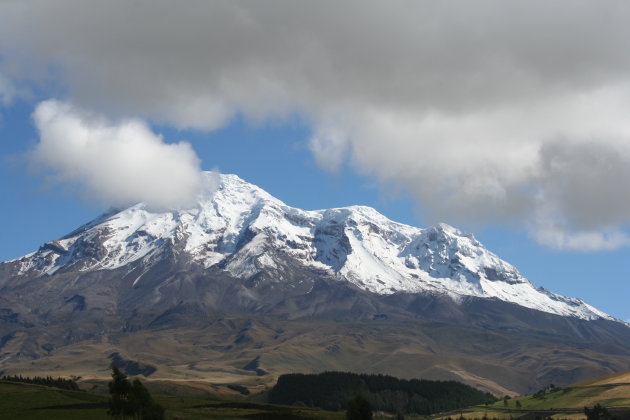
{"type": "Point", "coordinates": [115, 163]}
{"type": "Point", "coordinates": [487, 111]}
{"type": "Point", "coordinates": [583, 241]}
{"type": "Point", "coordinates": [562, 162]}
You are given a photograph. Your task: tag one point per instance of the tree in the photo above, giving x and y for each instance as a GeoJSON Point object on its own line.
{"type": "Point", "coordinates": [131, 399]}
{"type": "Point", "coordinates": [518, 404]}
{"type": "Point", "coordinates": [119, 391]}
{"type": "Point", "coordinates": [358, 409]}
{"type": "Point", "coordinates": [597, 413]}
{"type": "Point", "coordinates": [144, 407]}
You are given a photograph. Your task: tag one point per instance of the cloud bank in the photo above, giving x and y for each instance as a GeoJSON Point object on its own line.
{"type": "Point", "coordinates": [115, 163]}
{"type": "Point", "coordinates": [487, 111]}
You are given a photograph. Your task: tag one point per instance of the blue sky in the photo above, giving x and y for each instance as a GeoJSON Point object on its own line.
{"type": "Point", "coordinates": [492, 118]}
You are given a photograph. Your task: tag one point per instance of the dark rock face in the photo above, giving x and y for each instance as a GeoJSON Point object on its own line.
{"type": "Point", "coordinates": [332, 244]}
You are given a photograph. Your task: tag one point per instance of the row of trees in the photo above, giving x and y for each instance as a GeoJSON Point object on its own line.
{"type": "Point", "coordinates": [45, 381]}
{"type": "Point", "coordinates": [332, 390]}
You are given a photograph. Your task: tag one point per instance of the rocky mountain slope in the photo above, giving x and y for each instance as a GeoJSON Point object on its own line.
{"type": "Point", "coordinates": [242, 257]}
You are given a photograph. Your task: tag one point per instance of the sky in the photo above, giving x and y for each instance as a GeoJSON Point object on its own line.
{"type": "Point", "coordinates": [510, 120]}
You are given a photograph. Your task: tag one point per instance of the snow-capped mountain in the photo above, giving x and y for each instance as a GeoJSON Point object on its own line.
{"type": "Point", "coordinates": [248, 234]}
{"type": "Point", "coordinates": [241, 279]}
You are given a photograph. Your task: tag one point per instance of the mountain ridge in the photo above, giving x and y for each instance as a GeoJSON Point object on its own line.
{"type": "Point", "coordinates": [244, 230]}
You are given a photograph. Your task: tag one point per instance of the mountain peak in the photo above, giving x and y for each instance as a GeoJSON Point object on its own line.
{"type": "Point", "coordinates": [222, 187]}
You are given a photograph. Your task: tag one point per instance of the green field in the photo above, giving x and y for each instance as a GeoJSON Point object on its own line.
{"type": "Point", "coordinates": [24, 401]}
{"type": "Point", "coordinates": [612, 392]}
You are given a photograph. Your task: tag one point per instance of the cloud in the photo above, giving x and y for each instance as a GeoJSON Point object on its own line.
{"type": "Point", "coordinates": [560, 238]}
{"type": "Point", "coordinates": [486, 111]}
{"type": "Point", "coordinates": [6, 90]}
{"type": "Point", "coordinates": [586, 182]}
{"type": "Point", "coordinates": [114, 163]}
{"type": "Point", "coordinates": [559, 168]}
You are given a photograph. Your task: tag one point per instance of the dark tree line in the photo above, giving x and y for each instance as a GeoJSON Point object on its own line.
{"type": "Point", "coordinates": [45, 381]}
{"type": "Point", "coordinates": [332, 390]}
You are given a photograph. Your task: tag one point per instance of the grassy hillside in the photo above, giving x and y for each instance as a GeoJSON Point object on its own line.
{"type": "Point", "coordinates": [612, 392]}
{"type": "Point", "coordinates": [25, 401]}
{"type": "Point", "coordinates": [502, 360]}
{"type": "Point", "coordinates": [33, 402]}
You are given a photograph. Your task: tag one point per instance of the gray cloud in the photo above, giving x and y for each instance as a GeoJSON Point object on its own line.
{"type": "Point", "coordinates": [115, 163]}
{"type": "Point", "coordinates": [588, 182]}
{"type": "Point", "coordinates": [7, 90]}
{"type": "Point", "coordinates": [462, 103]}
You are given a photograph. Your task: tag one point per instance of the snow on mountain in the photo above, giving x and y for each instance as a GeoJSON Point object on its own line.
{"type": "Point", "coordinates": [244, 230]}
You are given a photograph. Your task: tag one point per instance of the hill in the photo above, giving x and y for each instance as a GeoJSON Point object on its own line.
{"type": "Point", "coordinates": [611, 391]}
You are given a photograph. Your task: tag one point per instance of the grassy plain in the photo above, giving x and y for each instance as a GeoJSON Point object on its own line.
{"type": "Point", "coordinates": [197, 401]}
{"type": "Point", "coordinates": [498, 360]}
{"type": "Point", "coordinates": [25, 401]}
